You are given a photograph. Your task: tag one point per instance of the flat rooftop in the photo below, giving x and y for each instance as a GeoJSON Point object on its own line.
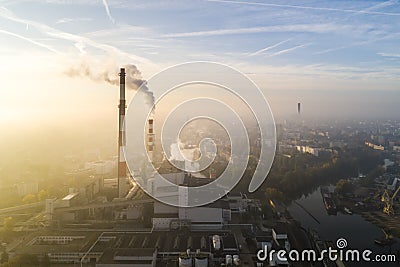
{"type": "Point", "coordinates": [71, 196]}
{"type": "Point", "coordinates": [164, 241]}
{"type": "Point", "coordinates": [127, 256]}
{"type": "Point", "coordinates": [76, 245]}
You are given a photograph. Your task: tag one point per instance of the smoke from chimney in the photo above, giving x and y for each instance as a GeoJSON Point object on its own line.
{"type": "Point", "coordinates": [110, 75]}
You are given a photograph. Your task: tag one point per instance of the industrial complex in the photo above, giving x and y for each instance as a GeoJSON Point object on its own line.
{"type": "Point", "coordinates": [84, 228]}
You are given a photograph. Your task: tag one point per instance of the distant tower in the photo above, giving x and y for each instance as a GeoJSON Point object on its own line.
{"type": "Point", "coordinates": [298, 107]}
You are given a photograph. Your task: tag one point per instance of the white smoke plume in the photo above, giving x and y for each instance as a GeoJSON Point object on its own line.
{"type": "Point", "coordinates": [134, 78]}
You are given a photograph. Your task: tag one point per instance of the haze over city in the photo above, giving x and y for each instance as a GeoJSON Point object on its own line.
{"type": "Point", "coordinates": [92, 174]}
{"type": "Point", "coordinates": [324, 54]}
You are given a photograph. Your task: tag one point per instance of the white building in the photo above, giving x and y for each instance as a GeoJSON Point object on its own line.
{"type": "Point", "coordinates": [24, 189]}
{"type": "Point", "coordinates": [307, 149]}
{"type": "Point", "coordinates": [209, 217]}
{"type": "Point", "coordinates": [101, 167]}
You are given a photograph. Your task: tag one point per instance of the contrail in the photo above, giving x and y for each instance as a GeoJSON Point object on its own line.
{"type": "Point", "coordinates": [392, 36]}
{"type": "Point", "coordinates": [267, 48]}
{"type": "Point", "coordinates": [288, 50]}
{"type": "Point", "coordinates": [388, 54]}
{"type": "Point", "coordinates": [374, 7]}
{"type": "Point", "coordinates": [69, 20]}
{"type": "Point", "coordinates": [31, 41]}
{"type": "Point", "coordinates": [315, 28]}
{"type": "Point", "coordinates": [108, 11]}
{"type": "Point", "coordinates": [308, 7]}
{"type": "Point", "coordinates": [7, 14]}
{"type": "Point", "coordinates": [381, 5]}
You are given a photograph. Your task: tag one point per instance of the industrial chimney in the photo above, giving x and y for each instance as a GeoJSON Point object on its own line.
{"type": "Point", "coordinates": [122, 169]}
{"type": "Point", "coordinates": [150, 137]}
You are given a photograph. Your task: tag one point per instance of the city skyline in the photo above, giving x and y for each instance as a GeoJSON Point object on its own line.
{"type": "Point", "coordinates": [294, 51]}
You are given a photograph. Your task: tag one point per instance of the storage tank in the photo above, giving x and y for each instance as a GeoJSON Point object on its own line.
{"type": "Point", "coordinates": [185, 261]}
{"type": "Point", "coordinates": [228, 259]}
{"type": "Point", "coordinates": [201, 261]}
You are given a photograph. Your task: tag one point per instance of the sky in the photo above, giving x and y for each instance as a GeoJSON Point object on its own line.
{"type": "Point", "coordinates": [336, 57]}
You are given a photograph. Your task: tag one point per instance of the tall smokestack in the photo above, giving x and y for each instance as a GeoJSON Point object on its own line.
{"type": "Point", "coordinates": [150, 137]}
{"type": "Point", "coordinates": [122, 169]}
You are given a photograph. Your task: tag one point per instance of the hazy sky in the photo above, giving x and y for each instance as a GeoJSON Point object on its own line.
{"type": "Point", "coordinates": [334, 56]}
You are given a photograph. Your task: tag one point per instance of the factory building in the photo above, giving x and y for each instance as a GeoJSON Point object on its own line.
{"type": "Point", "coordinates": [132, 257]}
{"type": "Point", "coordinates": [108, 249]}
{"type": "Point", "coordinates": [166, 217]}
{"type": "Point", "coordinates": [174, 236]}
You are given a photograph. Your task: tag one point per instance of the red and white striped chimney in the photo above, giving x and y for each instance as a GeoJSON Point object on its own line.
{"type": "Point", "coordinates": [150, 136]}
{"type": "Point", "coordinates": [122, 169]}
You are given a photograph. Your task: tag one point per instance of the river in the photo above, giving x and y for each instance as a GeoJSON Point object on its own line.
{"type": "Point", "coordinates": [358, 232]}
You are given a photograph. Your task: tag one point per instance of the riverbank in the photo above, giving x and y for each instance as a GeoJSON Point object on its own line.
{"type": "Point", "coordinates": [372, 212]}
{"type": "Point", "coordinates": [357, 229]}
{"type": "Point", "coordinates": [390, 224]}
